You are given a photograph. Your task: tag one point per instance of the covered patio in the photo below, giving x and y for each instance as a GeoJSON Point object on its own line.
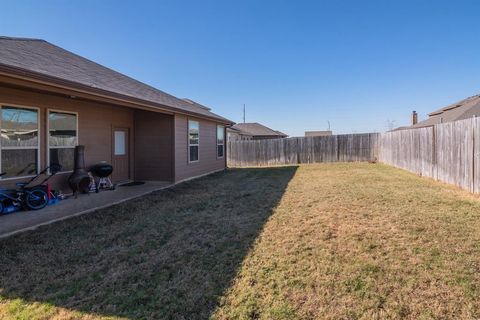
{"type": "Point", "coordinates": [28, 220]}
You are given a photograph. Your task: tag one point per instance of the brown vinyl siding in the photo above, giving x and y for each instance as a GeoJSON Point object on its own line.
{"type": "Point", "coordinates": [158, 143]}
{"type": "Point", "coordinates": [95, 122]}
{"type": "Point", "coordinates": [153, 146]}
{"type": "Point", "coordinates": [208, 161]}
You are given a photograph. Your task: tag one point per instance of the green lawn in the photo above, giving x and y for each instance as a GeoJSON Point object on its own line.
{"type": "Point", "coordinates": [322, 241]}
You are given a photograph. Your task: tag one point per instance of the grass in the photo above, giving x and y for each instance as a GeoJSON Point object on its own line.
{"type": "Point", "coordinates": [362, 241]}
{"type": "Point", "coordinates": [324, 241]}
{"type": "Point", "coordinates": [169, 255]}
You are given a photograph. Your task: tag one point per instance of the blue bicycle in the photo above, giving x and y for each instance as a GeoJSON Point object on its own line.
{"type": "Point", "coordinates": [30, 198]}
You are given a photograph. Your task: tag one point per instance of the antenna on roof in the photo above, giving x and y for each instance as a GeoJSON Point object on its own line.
{"type": "Point", "coordinates": [244, 113]}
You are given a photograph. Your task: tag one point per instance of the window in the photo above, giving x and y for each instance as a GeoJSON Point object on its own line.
{"type": "Point", "coordinates": [120, 143]}
{"type": "Point", "coordinates": [62, 138]}
{"type": "Point", "coordinates": [193, 140]}
{"type": "Point", "coordinates": [19, 141]}
{"type": "Point", "coordinates": [220, 141]}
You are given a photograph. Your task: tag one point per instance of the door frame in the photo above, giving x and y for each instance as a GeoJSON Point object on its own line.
{"type": "Point", "coordinates": [127, 149]}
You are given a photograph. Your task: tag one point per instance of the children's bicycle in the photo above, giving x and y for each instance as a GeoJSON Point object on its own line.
{"type": "Point", "coordinates": [33, 198]}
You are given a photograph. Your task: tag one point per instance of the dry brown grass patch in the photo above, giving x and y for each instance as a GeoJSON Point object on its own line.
{"type": "Point", "coordinates": [362, 241]}
{"type": "Point", "coordinates": [324, 241]}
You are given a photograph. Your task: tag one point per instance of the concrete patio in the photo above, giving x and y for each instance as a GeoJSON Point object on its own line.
{"type": "Point", "coordinates": [28, 220]}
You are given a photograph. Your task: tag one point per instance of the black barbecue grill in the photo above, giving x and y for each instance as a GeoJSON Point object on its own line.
{"type": "Point", "coordinates": [102, 171]}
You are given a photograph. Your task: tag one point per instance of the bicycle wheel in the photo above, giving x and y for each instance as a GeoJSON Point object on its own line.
{"type": "Point", "coordinates": [36, 199]}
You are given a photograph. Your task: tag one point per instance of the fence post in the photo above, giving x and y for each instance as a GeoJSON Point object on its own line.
{"type": "Point", "coordinates": [434, 153]}
{"type": "Point", "coordinates": [474, 176]}
{"type": "Point", "coordinates": [298, 150]}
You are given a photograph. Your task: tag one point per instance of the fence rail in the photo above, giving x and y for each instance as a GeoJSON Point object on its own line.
{"type": "Point", "coordinates": [447, 152]}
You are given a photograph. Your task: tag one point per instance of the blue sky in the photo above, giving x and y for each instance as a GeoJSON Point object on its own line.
{"type": "Point", "coordinates": [295, 64]}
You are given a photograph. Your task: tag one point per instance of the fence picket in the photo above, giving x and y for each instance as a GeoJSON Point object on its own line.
{"type": "Point", "coordinates": [351, 147]}
{"type": "Point", "coordinates": [448, 152]}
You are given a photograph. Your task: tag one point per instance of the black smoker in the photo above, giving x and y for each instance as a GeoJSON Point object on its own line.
{"type": "Point", "coordinates": [79, 180]}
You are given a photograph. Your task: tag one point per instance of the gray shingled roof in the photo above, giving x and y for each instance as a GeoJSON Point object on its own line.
{"type": "Point", "coordinates": [190, 101]}
{"type": "Point", "coordinates": [463, 109]}
{"type": "Point", "coordinates": [41, 57]}
{"type": "Point", "coordinates": [257, 129]}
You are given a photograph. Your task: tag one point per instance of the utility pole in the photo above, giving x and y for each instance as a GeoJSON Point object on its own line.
{"type": "Point", "coordinates": [244, 113]}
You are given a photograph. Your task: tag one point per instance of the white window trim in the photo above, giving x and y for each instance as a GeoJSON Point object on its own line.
{"type": "Point", "coordinates": [22, 148]}
{"type": "Point", "coordinates": [220, 144]}
{"type": "Point", "coordinates": [59, 147]}
{"type": "Point", "coordinates": [188, 137]}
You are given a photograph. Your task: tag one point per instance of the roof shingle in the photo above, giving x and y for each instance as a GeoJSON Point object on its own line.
{"type": "Point", "coordinates": [257, 129]}
{"type": "Point", "coordinates": [42, 57]}
{"type": "Point", "coordinates": [463, 109]}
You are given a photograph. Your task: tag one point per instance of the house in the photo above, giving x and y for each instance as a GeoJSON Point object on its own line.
{"type": "Point", "coordinates": [52, 100]}
{"type": "Point", "coordinates": [318, 133]}
{"type": "Point", "coordinates": [252, 131]}
{"type": "Point", "coordinates": [234, 134]}
{"type": "Point", "coordinates": [460, 110]}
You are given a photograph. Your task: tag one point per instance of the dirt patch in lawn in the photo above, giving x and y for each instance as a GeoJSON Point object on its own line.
{"type": "Point", "coordinates": [171, 254]}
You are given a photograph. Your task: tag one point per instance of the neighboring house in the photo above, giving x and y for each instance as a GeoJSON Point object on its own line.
{"type": "Point", "coordinates": [318, 133]}
{"type": "Point", "coordinates": [463, 109]}
{"type": "Point", "coordinates": [252, 131]}
{"type": "Point", "coordinates": [234, 134]}
{"type": "Point", "coordinates": [52, 100]}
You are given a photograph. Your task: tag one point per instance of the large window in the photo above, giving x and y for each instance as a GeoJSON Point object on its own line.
{"type": "Point", "coordinates": [62, 138]}
{"type": "Point", "coordinates": [193, 140]}
{"type": "Point", "coordinates": [220, 141]}
{"type": "Point", "coordinates": [19, 141]}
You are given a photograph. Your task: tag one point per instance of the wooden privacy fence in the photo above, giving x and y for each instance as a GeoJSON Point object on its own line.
{"type": "Point", "coordinates": [344, 148]}
{"type": "Point", "coordinates": [448, 152]}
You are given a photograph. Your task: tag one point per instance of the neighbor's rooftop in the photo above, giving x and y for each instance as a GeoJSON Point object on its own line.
{"type": "Point", "coordinates": [257, 129]}
{"type": "Point", "coordinates": [460, 110]}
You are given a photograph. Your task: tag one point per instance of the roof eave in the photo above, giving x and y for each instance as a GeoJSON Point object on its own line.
{"type": "Point", "coordinates": [40, 78]}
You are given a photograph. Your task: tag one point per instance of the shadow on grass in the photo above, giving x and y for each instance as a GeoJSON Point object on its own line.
{"type": "Point", "coordinates": [167, 255]}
